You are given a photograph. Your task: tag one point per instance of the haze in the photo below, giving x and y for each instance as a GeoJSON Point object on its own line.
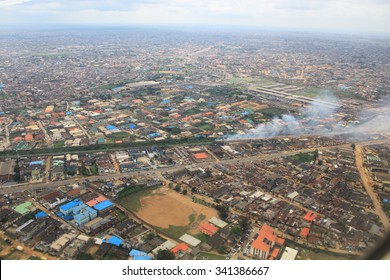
{"type": "Point", "coordinates": [361, 16]}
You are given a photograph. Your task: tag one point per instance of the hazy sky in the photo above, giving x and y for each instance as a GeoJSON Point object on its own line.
{"type": "Point", "coordinates": [337, 15]}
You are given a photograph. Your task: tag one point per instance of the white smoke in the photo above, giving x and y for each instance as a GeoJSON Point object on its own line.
{"type": "Point", "coordinates": [315, 119]}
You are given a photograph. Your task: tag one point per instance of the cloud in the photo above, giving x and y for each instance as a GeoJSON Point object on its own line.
{"type": "Point", "coordinates": [10, 3]}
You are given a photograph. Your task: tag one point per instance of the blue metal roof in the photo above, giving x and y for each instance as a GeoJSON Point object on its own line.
{"type": "Point", "coordinates": [115, 241]}
{"type": "Point", "coordinates": [71, 204]}
{"type": "Point", "coordinates": [111, 127]}
{"type": "Point", "coordinates": [142, 258]}
{"type": "Point", "coordinates": [40, 215]}
{"type": "Point", "coordinates": [38, 162]}
{"type": "Point", "coordinates": [139, 255]}
{"type": "Point", "coordinates": [103, 205]}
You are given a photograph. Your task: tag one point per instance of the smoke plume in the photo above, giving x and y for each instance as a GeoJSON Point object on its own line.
{"type": "Point", "coordinates": [317, 118]}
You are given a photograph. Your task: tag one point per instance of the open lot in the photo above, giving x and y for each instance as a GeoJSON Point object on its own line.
{"type": "Point", "coordinates": [171, 212]}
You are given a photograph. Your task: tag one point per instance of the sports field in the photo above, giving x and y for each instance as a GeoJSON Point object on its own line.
{"type": "Point", "coordinates": [170, 211]}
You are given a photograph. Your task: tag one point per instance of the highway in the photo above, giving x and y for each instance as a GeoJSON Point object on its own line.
{"type": "Point", "coordinates": [294, 97]}
{"type": "Point", "coordinates": [152, 172]}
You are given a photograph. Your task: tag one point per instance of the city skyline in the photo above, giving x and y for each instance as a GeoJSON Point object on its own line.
{"type": "Point", "coordinates": [334, 16]}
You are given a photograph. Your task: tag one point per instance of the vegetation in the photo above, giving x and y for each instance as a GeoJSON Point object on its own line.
{"type": "Point", "coordinates": [308, 253]}
{"type": "Point", "coordinates": [17, 172]}
{"type": "Point", "coordinates": [165, 255]}
{"type": "Point", "coordinates": [222, 250]}
{"type": "Point", "coordinates": [174, 231]}
{"type": "Point", "coordinates": [192, 218]}
{"type": "Point", "coordinates": [245, 224]}
{"type": "Point", "coordinates": [211, 256]}
{"type": "Point", "coordinates": [303, 157]}
{"type": "Point", "coordinates": [120, 135]}
{"type": "Point", "coordinates": [273, 112]}
{"type": "Point", "coordinates": [59, 144]}
{"type": "Point", "coordinates": [130, 197]}
{"type": "Point", "coordinates": [224, 90]}
{"type": "Point", "coordinates": [202, 237]}
{"type": "Point", "coordinates": [236, 230]}
{"type": "Point", "coordinates": [84, 256]}
{"type": "Point", "coordinates": [223, 210]}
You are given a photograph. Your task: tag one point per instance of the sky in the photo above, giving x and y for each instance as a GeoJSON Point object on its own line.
{"type": "Point", "coordinates": [366, 16]}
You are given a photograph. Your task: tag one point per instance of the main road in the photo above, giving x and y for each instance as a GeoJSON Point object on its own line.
{"type": "Point", "coordinates": [152, 172]}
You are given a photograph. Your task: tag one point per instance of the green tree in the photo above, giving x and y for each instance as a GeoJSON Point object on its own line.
{"type": "Point", "coordinates": [165, 255]}
{"type": "Point", "coordinates": [222, 250]}
{"type": "Point", "coordinates": [84, 256]}
{"type": "Point", "coordinates": [236, 230]}
{"type": "Point", "coordinates": [245, 223]}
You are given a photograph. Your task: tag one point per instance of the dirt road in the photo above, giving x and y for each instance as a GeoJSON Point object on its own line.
{"type": "Point", "coordinates": [368, 185]}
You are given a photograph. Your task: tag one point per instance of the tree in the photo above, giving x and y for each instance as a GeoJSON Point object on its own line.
{"type": "Point", "coordinates": [17, 173]}
{"type": "Point", "coordinates": [177, 188]}
{"type": "Point", "coordinates": [236, 230]}
{"type": "Point", "coordinates": [245, 223]}
{"type": "Point", "coordinates": [184, 192]}
{"type": "Point", "coordinates": [222, 250]}
{"type": "Point", "coordinates": [165, 255]}
{"type": "Point", "coordinates": [223, 211]}
{"type": "Point", "coordinates": [84, 256]}
{"type": "Point", "coordinates": [353, 146]}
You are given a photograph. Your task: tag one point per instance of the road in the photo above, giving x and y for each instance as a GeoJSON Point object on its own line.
{"type": "Point", "coordinates": [48, 138]}
{"type": "Point", "coordinates": [368, 185]}
{"type": "Point", "coordinates": [20, 188]}
{"type": "Point", "coordinates": [82, 127]}
{"type": "Point", "coordinates": [7, 140]}
{"type": "Point", "coordinates": [24, 187]}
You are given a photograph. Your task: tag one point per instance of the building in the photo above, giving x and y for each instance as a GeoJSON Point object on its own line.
{"type": "Point", "coordinates": [83, 214]}
{"type": "Point", "coordinates": [180, 250]}
{"type": "Point", "coordinates": [103, 206]}
{"type": "Point", "coordinates": [289, 254]}
{"type": "Point", "coordinates": [139, 255]}
{"type": "Point", "coordinates": [208, 229]}
{"type": "Point", "coordinates": [264, 244]}
{"type": "Point", "coordinates": [67, 208]}
{"type": "Point", "coordinates": [24, 208]}
{"type": "Point", "coordinates": [53, 199]}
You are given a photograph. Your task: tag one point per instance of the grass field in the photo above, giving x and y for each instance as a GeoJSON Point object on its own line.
{"type": "Point", "coordinates": [170, 212]}
{"type": "Point", "coordinates": [211, 256]}
{"type": "Point", "coordinates": [59, 144]}
{"type": "Point", "coordinates": [307, 253]}
{"type": "Point", "coordinates": [252, 81]}
{"type": "Point", "coordinates": [132, 202]}
{"type": "Point", "coordinates": [174, 231]}
{"type": "Point", "coordinates": [303, 157]}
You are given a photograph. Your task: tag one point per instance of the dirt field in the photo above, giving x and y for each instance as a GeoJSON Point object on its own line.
{"type": "Point", "coordinates": [166, 208]}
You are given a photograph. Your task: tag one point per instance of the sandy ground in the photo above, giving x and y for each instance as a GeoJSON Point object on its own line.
{"type": "Point", "coordinates": [167, 207]}
{"type": "Point", "coordinates": [25, 254]}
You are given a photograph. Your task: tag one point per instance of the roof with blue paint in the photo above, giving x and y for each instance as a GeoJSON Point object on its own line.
{"type": "Point", "coordinates": [103, 205]}
{"type": "Point", "coordinates": [71, 204]}
{"type": "Point", "coordinates": [40, 215]}
{"type": "Point", "coordinates": [38, 162]}
{"type": "Point", "coordinates": [139, 255]}
{"type": "Point", "coordinates": [115, 241]}
{"type": "Point", "coordinates": [111, 127]}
